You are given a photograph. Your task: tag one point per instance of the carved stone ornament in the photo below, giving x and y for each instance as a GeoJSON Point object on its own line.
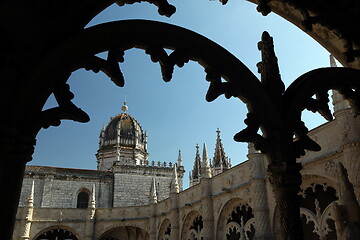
{"type": "Point", "coordinates": [240, 224]}
{"type": "Point", "coordinates": [329, 166]}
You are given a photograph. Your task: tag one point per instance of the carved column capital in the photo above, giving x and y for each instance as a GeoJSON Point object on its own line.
{"type": "Point", "coordinates": [285, 174]}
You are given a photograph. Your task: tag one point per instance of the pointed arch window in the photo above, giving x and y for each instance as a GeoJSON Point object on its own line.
{"type": "Point", "coordinates": [83, 200]}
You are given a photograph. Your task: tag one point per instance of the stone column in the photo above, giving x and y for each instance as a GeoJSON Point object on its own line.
{"type": "Point", "coordinates": [286, 180]}
{"type": "Point", "coordinates": [259, 195]}
{"type": "Point", "coordinates": [153, 232]}
{"type": "Point", "coordinates": [15, 151]}
{"type": "Point", "coordinates": [206, 198]}
{"type": "Point", "coordinates": [174, 216]}
{"type": "Point", "coordinates": [207, 209]}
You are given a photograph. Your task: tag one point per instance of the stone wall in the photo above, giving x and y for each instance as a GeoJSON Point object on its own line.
{"type": "Point", "coordinates": [132, 184]}
{"type": "Point", "coordinates": [244, 188]}
{"type": "Point", "coordinates": [58, 188]}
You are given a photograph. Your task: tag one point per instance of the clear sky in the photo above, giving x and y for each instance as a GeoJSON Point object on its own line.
{"type": "Point", "coordinates": [176, 114]}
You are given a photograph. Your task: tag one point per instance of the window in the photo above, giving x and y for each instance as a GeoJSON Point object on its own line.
{"type": "Point", "coordinates": [83, 200]}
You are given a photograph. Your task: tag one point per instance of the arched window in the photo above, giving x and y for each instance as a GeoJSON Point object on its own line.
{"type": "Point", "coordinates": [83, 200]}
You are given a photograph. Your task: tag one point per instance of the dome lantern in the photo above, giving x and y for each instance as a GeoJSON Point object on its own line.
{"type": "Point", "coordinates": [122, 139]}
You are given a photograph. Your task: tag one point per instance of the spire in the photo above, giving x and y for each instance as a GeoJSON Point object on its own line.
{"type": "Point", "coordinates": [153, 196]}
{"type": "Point", "coordinates": [30, 202]}
{"type": "Point", "coordinates": [179, 159]}
{"type": "Point", "coordinates": [92, 200]}
{"type": "Point", "coordinates": [196, 172]}
{"type": "Point", "coordinates": [206, 171]}
{"type": "Point", "coordinates": [124, 108]}
{"type": "Point", "coordinates": [339, 101]}
{"type": "Point", "coordinates": [220, 161]}
{"type": "Point", "coordinates": [175, 182]}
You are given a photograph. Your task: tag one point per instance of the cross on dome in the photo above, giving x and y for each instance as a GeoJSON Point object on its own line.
{"type": "Point", "coordinates": [124, 108]}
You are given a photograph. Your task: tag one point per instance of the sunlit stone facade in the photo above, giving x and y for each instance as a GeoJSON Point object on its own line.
{"type": "Point", "coordinates": [133, 199]}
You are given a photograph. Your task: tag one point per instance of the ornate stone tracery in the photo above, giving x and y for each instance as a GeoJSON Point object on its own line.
{"type": "Point", "coordinates": [165, 230]}
{"type": "Point", "coordinates": [240, 224]}
{"type": "Point", "coordinates": [56, 234]}
{"type": "Point", "coordinates": [195, 232]}
{"type": "Point", "coordinates": [193, 226]}
{"type": "Point", "coordinates": [237, 221]}
{"type": "Point", "coordinates": [316, 211]}
{"type": "Point", "coordinates": [318, 201]}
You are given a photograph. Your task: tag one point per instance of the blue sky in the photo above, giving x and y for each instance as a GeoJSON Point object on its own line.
{"type": "Point", "coordinates": [175, 114]}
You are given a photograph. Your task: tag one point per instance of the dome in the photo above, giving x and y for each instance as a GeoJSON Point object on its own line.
{"type": "Point", "coordinates": [125, 129]}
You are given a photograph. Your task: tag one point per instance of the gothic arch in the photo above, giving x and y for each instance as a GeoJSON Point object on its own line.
{"type": "Point", "coordinates": [164, 231]}
{"type": "Point", "coordinates": [192, 226]}
{"type": "Point", "coordinates": [125, 233]}
{"type": "Point", "coordinates": [318, 201]}
{"type": "Point", "coordinates": [236, 219]}
{"type": "Point", "coordinates": [58, 232]}
{"type": "Point", "coordinates": [111, 226]}
{"type": "Point", "coordinates": [312, 180]}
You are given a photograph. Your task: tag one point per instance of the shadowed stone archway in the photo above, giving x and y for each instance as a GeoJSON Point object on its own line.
{"type": "Point", "coordinates": [125, 233]}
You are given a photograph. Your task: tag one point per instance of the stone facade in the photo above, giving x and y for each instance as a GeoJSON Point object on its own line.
{"type": "Point", "coordinates": [235, 204]}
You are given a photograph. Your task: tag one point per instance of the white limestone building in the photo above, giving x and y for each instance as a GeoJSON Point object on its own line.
{"type": "Point", "coordinates": [128, 198]}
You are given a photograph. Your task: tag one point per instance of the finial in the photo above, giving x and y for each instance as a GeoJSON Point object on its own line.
{"type": "Point", "coordinates": [153, 196]}
{"type": "Point", "coordinates": [31, 195]}
{"type": "Point", "coordinates": [220, 160]}
{"type": "Point", "coordinates": [175, 184]}
{"type": "Point", "coordinates": [332, 61]}
{"type": "Point", "coordinates": [206, 171]}
{"type": "Point", "coordinates": [218, 132]}
{"type": "Point", "coordinates": [180, 158]}
{"type": "Point", "coordinates": [124, 108]}
{"type": "Point", "coordinates": [93, 201]}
